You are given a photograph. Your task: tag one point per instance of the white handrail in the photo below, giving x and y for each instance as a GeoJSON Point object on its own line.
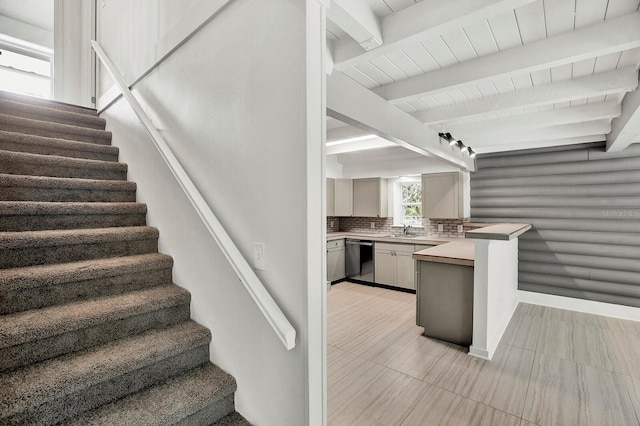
{"type": "Point", "coordinates": [252, 283]}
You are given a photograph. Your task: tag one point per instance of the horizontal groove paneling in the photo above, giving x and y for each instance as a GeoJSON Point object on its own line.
{"type": "Point", "coordinates": [584, 205]}
{"type": "Point", "coordinates": [586, 273]}
{"type": "Point", "coordinates": [546, 201]}
{"type": "Point", "coordinates": [585, 249]}
{"type": "Point", "coordinates": [616, 238]}
{"type": "Point", "coordinates": [614, 288]}
{"type": "Point", "coordinates": [581, 294]}
{"type": "Point", "coordinates": [559, 213]}
{"type": "Point", "coordinates": [567, 156]}
{"type": "Point", "coordinates": [569, 224]}
{"type": "Point", "coordinates": [583, 167]}
{"type": "Point", "coordinates": [601, 190]}
{"type": "Point", "coordinates": [600, 262]}
{"type": "Point", "coordinates": [559, 181]}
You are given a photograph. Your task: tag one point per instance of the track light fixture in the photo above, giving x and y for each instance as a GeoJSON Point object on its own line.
{"type": "Point", "coordinates": [456, 142]}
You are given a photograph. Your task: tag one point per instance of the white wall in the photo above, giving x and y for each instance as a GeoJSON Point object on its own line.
{"type": "Point", "coordinates": [232, 103]}
{"type": "Point", "coordinates": [72, 59]}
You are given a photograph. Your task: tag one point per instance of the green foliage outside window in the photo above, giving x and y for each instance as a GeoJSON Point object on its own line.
{"type": "Point", "coordinates": [412, 204]}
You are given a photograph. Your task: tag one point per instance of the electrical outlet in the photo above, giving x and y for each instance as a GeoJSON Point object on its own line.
{"type": "Point", "coordinates": [460, 229]}
{"type": "Point", "coordinates": [440, 227]}
{"type": "Point", "coordinates": [259, 253]}
{"type": "Point", "coordinates": [373, 225]}
{"type": "Point", "coordinates": [331, 224]}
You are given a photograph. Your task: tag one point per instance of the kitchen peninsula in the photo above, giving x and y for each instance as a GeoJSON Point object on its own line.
{"type": "Point", "coordinates": [484, 266]}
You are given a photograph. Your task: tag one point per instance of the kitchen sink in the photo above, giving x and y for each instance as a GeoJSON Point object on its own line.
{"type": "Point", "coordinates": [400, 236]}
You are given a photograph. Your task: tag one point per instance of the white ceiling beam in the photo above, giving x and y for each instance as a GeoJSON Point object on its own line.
{"type": "Point", "coordinates": [357, 19]}
{"type": "Point", "coordinates": [598, 39]}
{"type": "Point", "coordinates": [344, 132]}
{"type": "Point", "coordinates": [365, 145]}
{"type": "Point", "coordinates": [510, 146]}
{"type": "Point", "coordinates": [554, 117]}
{"type": "Point", "coordinates": [616, 81]}
{"type": "Point", "coordinates": [598, 127]}
{"type": "Point", "coordinates": [351, 102]}
{"type": "Point", "coordinates": [626, 129]}
{"type": "Point", "coordinates": [424, 20]}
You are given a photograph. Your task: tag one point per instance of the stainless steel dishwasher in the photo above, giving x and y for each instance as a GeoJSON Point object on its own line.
{"type": "Point", "coordinates": [359, 260]}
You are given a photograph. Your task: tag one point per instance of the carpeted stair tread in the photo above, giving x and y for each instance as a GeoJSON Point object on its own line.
{"type": "Point", "coordinates": [42, 275]}
{"type": "Point", "coordinates": [172, 402]}
{"type": "Point", "coordinates": [55, 189]}
{"type": "Point", "coordinates": [30, 126]}
{"type": "Point", "coordinates": [36, 324]}
{"type": "Point", "coordinates": [233, 419]}
{"type": "Point", "coordinates": [47, 103]}
{"type": "Point", "coordinates": [39, 112]}
{"type": "Point", "coordinates": [27, 248]}
{"type": "Point", "coordinates": [19, 142]}
{"type": "Point", "coordinates": [39, 286]}
{"type": "Point", "coordinates": [21, 163]}
{"type": "Point", "coordinates": [56, 389]}
{"type": "Point", "coordinates": [35, 335]}
{"type": "Point", "coordinates": [40, 215]}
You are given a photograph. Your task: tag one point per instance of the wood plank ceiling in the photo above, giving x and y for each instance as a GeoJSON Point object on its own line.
{"type": "Point", "coordinates": [503, 74]}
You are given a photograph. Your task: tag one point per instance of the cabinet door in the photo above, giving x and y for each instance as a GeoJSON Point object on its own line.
{"type": "Point", "coordinates": [405, 271]}
{"type": "Point", "coordinates": [330, 188]}
{"type": "Point", "coordinates": [335, 264]}
{"type": "Point", "coordinates": [440, 195]}
{"type": "Point", "coordinates": [370, 197]}
{"type": "Point", "coordinates": [385, 267]}
{"type": "Point", "coordinates": [343, 197]}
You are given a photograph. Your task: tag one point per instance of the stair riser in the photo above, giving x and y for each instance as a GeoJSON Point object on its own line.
{"type": "Point", "coordinates": [62, 152]}
{"type": "Point", "coordinates": [82, 121]}
{"type": "Point", "coordinates": [18, 300]}
{"type": "Point", "coordinates": [17, 193]}
{"type": "Point", "coordinates": [15, 258]}
{"type": "Point", "coordinates": [50, 222]}
{"type": "Point", "coordinates": [39, 350]}
{"type": "Point", "coordinates": [70, 405]}
{"type": "Point", "coordinates": [102, 140]}
{"type": "Point", "coordinates": [211, 413]}
{"type": "Point", "coordinates": [52, 169]}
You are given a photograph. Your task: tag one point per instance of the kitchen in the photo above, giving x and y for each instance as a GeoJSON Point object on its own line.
{"type": "Point", "coordinates": [396, 231]}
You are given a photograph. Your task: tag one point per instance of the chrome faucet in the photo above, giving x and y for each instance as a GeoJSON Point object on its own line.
{"type": "Point", "coordinates": [406, 228]}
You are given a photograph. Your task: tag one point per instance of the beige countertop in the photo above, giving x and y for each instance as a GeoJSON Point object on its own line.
{"type": "Point", "coordinates": [499, 231]}
{"type": "Point", "coordinates": [455, 252]}
{"type": "Point", "coordinates": [384, 237]}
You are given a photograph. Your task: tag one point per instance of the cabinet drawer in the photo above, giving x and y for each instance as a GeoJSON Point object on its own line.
{"type": "Point", "coordinates": [400, 248]}
{"type": "Point", "coordinates": [335, 244]}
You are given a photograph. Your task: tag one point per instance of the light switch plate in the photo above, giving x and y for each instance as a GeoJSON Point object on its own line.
{"type": "Point", "coordinates": [440, 227]}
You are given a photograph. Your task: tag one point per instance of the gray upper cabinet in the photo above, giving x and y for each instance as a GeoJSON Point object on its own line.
{"type": "Point", "coordinates": [370, 197]}
{"type": "Point", "coordinates": [443, 196]}
{"type": "Point", "coordinates": [330, 191]}
{"type": "Point", "coordinates": [343, 197]}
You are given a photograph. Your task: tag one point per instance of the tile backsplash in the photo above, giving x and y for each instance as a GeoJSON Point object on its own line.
{"type": "Point", "coordinates": [383, 225]}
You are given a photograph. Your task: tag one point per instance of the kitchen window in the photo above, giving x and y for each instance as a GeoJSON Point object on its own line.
{"type": "Point", "coordinates": [409, 208]}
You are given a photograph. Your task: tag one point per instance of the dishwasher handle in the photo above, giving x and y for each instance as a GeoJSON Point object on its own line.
{"type": "Point", "coordinates": [360, 243]}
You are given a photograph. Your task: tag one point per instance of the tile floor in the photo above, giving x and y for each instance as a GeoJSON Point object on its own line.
{"type": "Point", "coordinates": [553, 367]}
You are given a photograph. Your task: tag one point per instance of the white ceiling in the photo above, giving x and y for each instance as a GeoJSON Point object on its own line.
{"type": "Point", "coordinates": [34, 12]}
{"type": "Point", "coordinates": [498, 74]}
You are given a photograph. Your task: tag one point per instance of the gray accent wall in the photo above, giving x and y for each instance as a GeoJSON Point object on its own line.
{"type": "Point", "coordinates": [584, 205]}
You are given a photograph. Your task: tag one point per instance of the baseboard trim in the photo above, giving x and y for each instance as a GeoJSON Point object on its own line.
{"type": "Point", "coordinates": [580, 305]}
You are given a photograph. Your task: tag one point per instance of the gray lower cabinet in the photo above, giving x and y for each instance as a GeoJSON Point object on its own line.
{"type": "Point", "coordinates": [335, 260]}
{"type": "Point", "coordinates": [445, 301]}
{"type": "Point", "coordinates": [394, 265]}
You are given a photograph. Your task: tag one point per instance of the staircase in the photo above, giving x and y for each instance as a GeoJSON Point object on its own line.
{"type": "Point", "coordinates": [92, 329]}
